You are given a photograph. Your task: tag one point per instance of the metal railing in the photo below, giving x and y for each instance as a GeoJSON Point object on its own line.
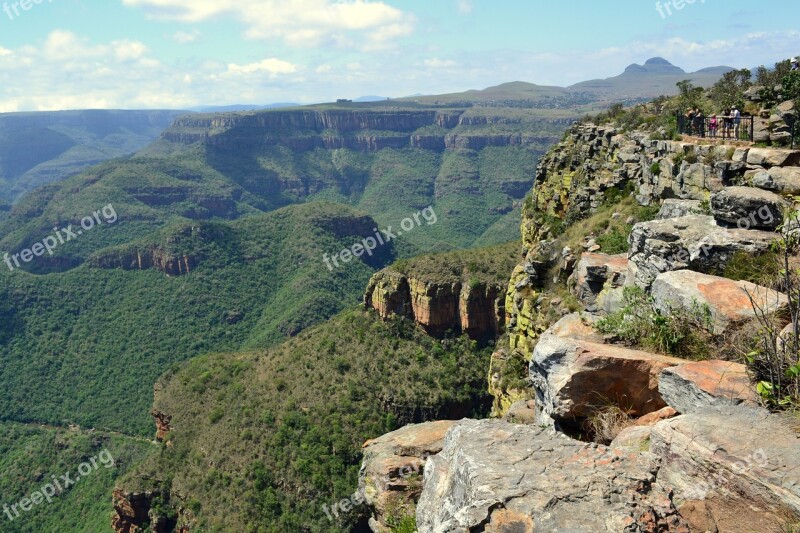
{"type": "Point", "coordinates": [726, 128]}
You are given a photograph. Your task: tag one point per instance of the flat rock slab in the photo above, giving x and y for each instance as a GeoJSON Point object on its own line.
{"type": "Point", "coordinates": [692, 242]}
{"type": "Point", "coordinates": [768, 157]}
{"type": "Point", "coordinates": [698, 385]}
{"type": "Point", "coordinates": [499, 477]}
{"type": "Point", "coordinates": [748, 207]}
{"type": "Point", "coordinates": [574, 378]}
{"type": "Point", "coordinates": [731, 468]}
{"type": "Point", "coordinates": [727, 300]}
{"type": "Point", "coordinates": [576, 326]}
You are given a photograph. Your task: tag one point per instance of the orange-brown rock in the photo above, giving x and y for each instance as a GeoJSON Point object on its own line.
{"type": "Point", "coordinates": [693, 386]}
{"type": "Point", "coordinates": [727, 300]}
{"type": "Point", "coordinates": [476, 309]}
{"type": "Point", "coordinates": [162, 424]}
{"type": "Point", "coordinates": [573, 378]}
{"type": "Point", "coordinates": [131, 510]}
{"type": "Point", "coordinates": [391, 472]}
{"type": "Point", "coordinates": [651, 419]}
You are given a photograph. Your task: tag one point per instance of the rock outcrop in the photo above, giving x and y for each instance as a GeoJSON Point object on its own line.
{"type": "Point", "coordinates": [391, 471]}
{"type": "Point", "coordinates": [692, 387]}
{"type": "Point", "coordinates": [573, 379]}
{"type": "Point", "coordinates": [727, 302]}
{"type": "Point", "coordinates": [731, 469]}
{"type": "Point", "coordinates": [495, 476]}
{"type": "Point", "coordinates": [474, 308]}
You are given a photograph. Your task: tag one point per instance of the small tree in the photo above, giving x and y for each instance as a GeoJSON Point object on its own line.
{"type": "Point", "coordinates": [771, 80]}
{"type": "Point", "coordinates": [775, 366]}
{"type": "Point", "coordinates": [688, 95]}
{"type": "Point", "coordinates": [729, 90]}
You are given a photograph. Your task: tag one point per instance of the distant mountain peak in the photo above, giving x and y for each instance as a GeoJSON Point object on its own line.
{"type": "Point", "coordinates": [658, 61]}
{"type": "Point", "coordinates": [654, 65]}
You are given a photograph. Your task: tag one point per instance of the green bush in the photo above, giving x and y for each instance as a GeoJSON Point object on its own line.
{"type": "Point", "coordinates": [680, 333]}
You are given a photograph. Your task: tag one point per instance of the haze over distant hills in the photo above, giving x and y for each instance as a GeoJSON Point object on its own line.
{"type": "Point", "coordinates": [40, 148]}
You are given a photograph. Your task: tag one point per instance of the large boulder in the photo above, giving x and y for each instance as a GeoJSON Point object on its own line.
{"type": "Point", "coordinates": [748, 207]}
{"type": "Point", "coordinates": [596, 278]}
{"type": "Point", "coordinates": [769, 157]}
{"type": "Point", "coordinates": [726, 300]}
{"type": "Point", "coordinates": [573, 379]}
{"type": "Point", "coordinates": [695, 242]}
{"type": "Point", "coordinates": [694, 386]}
{"type": "Point", "coordinates": [389, 481]}
{"type": "Point", "coordinates": [783, 180]}
{"type": "Point", "coordinates": [732, 468]}
{"type": "Point", "coordinates": [496, 477]}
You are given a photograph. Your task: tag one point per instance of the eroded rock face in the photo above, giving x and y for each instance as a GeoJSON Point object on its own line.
{"type": "Point", "coordinates": [748, 207]}
{"type": "Point", "coordinates": [674, 208]}
{"type": "Point", "coordinates": [476, 309]}
{"type": "Point", "coordinates": [726, 300]}
{"type": "Point", "coordinates": [693, 242]}
{"type": "Point", "coordinates": [495, 476]}
{"type": "Point", "coordinates": [731, 469]}
{"type": "Point", "coordinates": [391, 472]}
{"type": "Point", "coordinates": [597, 278]}
{"type": "Point", "coordinates": [573, 379]}
{"type": "Point", "coordinates": [694, 386]}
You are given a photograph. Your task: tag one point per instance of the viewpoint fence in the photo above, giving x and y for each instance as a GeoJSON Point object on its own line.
{"type": "Point", "coordinates": [729, 128]}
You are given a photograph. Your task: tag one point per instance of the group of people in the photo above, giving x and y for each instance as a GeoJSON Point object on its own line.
{"type": "Point", "coordinates": [726, 125]}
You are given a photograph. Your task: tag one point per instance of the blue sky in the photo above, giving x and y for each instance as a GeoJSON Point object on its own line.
{"type": "Point", "coordinates": [66, 54]}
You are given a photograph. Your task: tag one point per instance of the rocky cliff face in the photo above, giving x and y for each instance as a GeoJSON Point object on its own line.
{"type": "Point", "coordinates": [475, 309]}
{"type": "Point", "coordinates": [363, 130]}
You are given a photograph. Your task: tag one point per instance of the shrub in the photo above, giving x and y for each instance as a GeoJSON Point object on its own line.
{"type": "Point", "coordinates": [639, 324]}
{"type": "Point", "coordinates": [614, 242]}
{"type": "Point", "coordinates": [655, 169]}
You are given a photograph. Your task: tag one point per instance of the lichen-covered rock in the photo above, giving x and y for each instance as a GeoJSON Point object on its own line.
{"type": "Point", "coordinates": [748, 207]}
{"type": "Point", "coordinates": [674, 208]}
{"type": "Point", "coordinates": [495, 476]}
{"type": "Point", "coordinates": [390, 477]}
{"type": "Point", "coordinates": [726, 300]}
{"type": "Point", "coordinates": [595, 276]}
{"type": "Point", "coordinates": [731, 469]}
{"type": "Point", "coordinates": [693, 242]}
{"type": "Point", "coordinates": [697, 385]}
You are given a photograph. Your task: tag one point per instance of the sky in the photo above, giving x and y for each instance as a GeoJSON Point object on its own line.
{"type": "Point", "coordinates": [179, 54]}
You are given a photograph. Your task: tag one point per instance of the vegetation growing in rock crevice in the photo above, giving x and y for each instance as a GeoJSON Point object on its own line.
{"type": "Point", "coordinates": [639, 324]}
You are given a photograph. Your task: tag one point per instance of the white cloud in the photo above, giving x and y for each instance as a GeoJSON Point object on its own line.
{"type": "Point", "coordinates": [183, 37]}
{"type": "Point", "coordinates": [323, 69]}
{"type": "Point", "coordinates": [464, 7]}
{"type": "Point", "coordinates": [439, 63]}
{"type": "Point", "coordinates": [271, 66]}
{"type": "Point", "coordinates": [302, 23]}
